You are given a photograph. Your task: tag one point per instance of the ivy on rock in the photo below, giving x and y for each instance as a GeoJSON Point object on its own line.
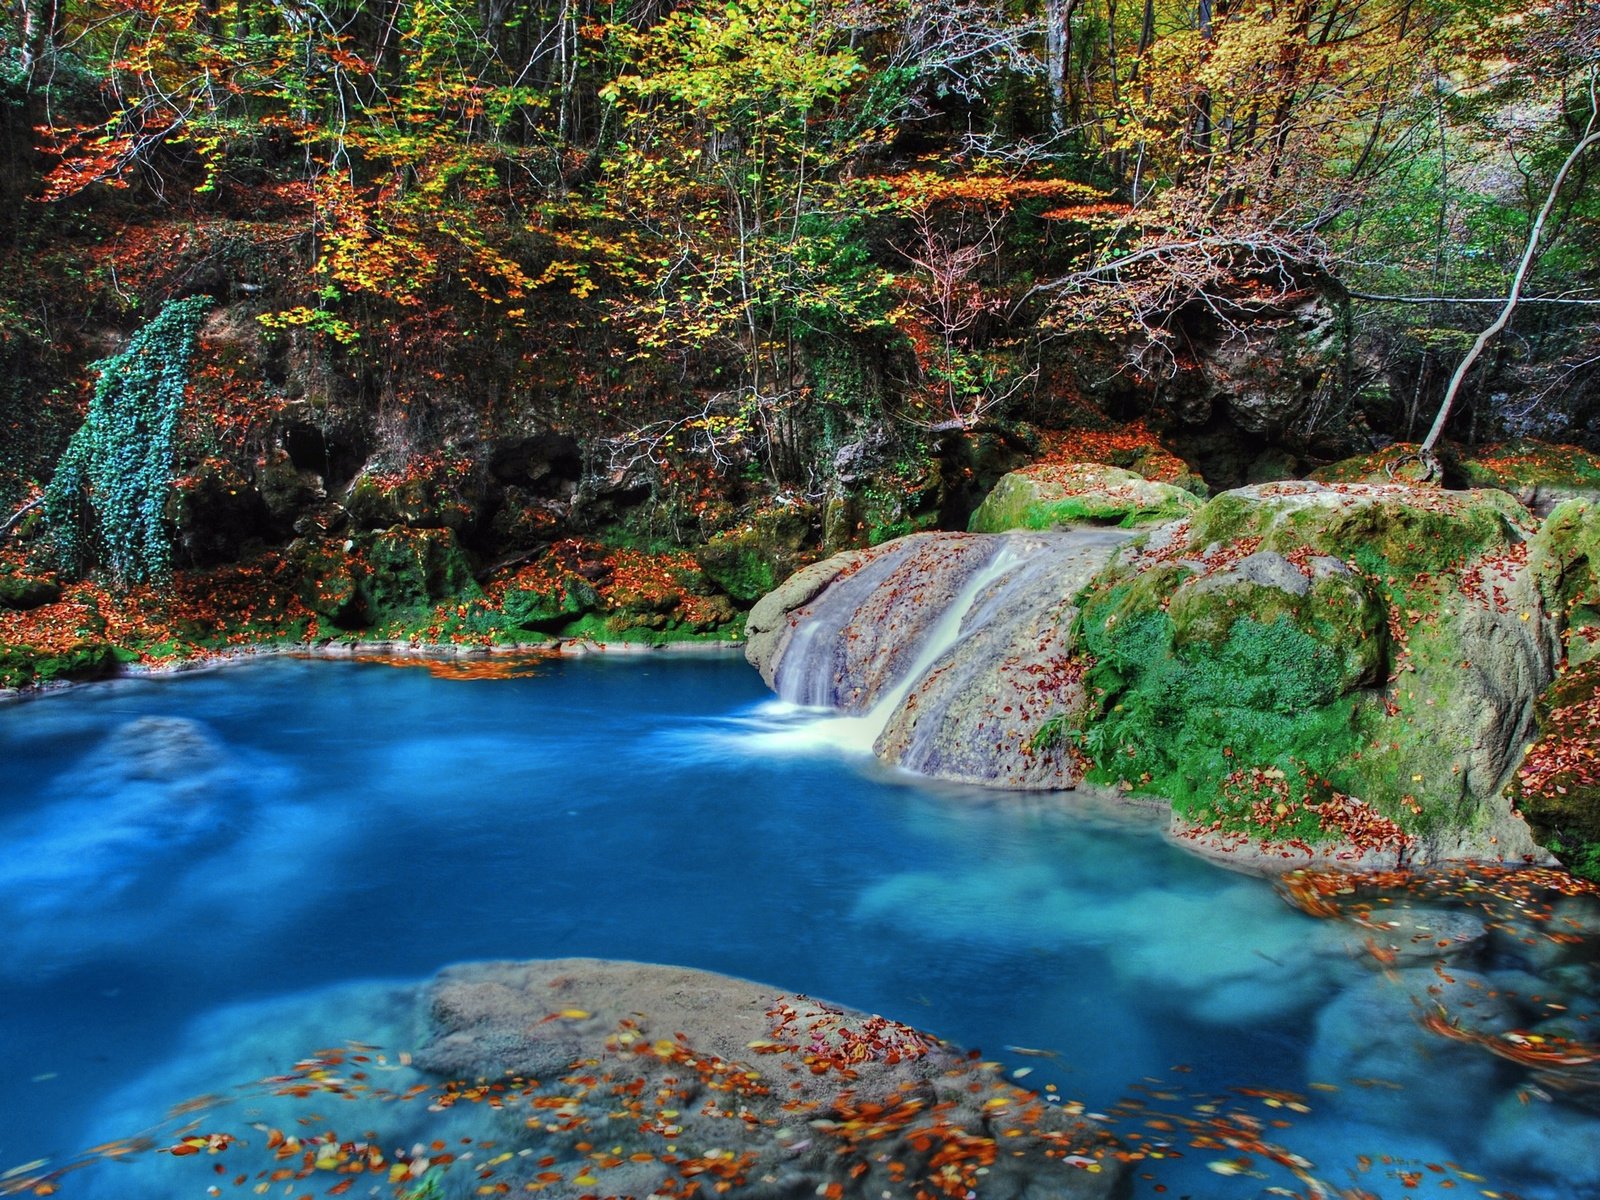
{"type": "Point", "coordinates": [106, 503]}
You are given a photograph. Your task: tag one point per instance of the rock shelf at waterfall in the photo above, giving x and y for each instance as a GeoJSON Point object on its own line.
{"type": "Point", "coordinates": [1303, 671]}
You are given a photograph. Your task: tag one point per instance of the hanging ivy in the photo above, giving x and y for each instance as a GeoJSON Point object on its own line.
{"type": "Point", "coordinates": [106, 503]}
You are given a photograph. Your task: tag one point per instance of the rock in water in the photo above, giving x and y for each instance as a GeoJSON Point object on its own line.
{"type": "Point", "coordinates": [958, 643]}
{"type": "Point", "coordinates": [777, 1095]}
{"type": "Point", "coordinates": [168, 750]}
{"type": "Point", "coordinates": [842, 632]}
{"type": "Point", "coordinates": [972, 716]}
{"type": "Point", "coordinates": [1344, 671]}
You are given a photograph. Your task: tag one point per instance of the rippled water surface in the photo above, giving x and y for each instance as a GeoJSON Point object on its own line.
{"type": "Point", "coordinates": [188, 859]}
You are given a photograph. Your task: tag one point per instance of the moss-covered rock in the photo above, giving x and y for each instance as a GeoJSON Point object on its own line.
{"type": "Point", "coordinates": [411, 569]}
{"type": "Point", "coordinates": [1353, 663]}
{"type": "Point", "coordinates": [1053, 495]}
{"type": "Point", "coordinates": [548, 610]}
{"type": "Point", "coordinates": [21, 666]}
{"type": "Point", "coordinates": [433, 494]}
{"type": "Point", "coordinates": [1564, 559]}
{"type": "Point", "coordinates": [1558, 788]}
{"type": "Point", "coordinates": [1539, 474]}
{"type": "Point", "coordinates": [329, 579]}
{"type": "Point", "coordinates": [747, 562]}
{"type": "Point", "coordinates": [28, 591]}
{"type": "Point", "coordinates": [1398, 463]}
{"type": "Point", "coordinates": [387, 576]}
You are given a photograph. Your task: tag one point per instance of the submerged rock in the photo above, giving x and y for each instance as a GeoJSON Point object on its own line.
{"type": "Point", "coordinates": [1370, 1046]}
{"type": "Point", "coordinates": [794, 1096]}
{"type": "Point", "coordinates": [582, 1077]}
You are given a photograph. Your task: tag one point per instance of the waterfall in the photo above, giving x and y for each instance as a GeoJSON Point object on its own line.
{"type": "Point", "coordinates": [941, 653]}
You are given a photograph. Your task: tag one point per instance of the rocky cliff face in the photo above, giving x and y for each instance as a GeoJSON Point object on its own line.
{"type": "Point", "coordinates": [1347, 669]}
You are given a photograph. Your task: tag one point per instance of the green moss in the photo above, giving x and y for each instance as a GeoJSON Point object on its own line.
{"type": "Point", "coordinates": [1219, 691]}
{"type": "Point", "coordinates": [549, 611]}
{"type": "Point", "coordinates": [749, 562]}
{"type": "Point", "coordinates": [22, 666]}
{"type": "Point", "coordinates": [1051, 496]}
{"type": "Point", "coordinates": [1425, 530]}
{"type": "Point", "coordinates": [878, 534]}
{"type": "Point", "coordinates": [1187, 722]}
{"type": "Point", "coordinates": [597, 628]}
{"type": "Point", "coordinates": [1528, 463]}
{"type": "Point", "coordinates": [27, 591]}
{"type": "Point", "coordinates": [1564, 556]}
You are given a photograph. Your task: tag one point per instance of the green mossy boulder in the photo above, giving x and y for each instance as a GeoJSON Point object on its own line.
{"type": "Point", "coordinates": [22, 666]}
{"type": "Point", "coordinates": [549, 611]}
{"type": "Point", "coordinates": [412, 569]}
{"type": "Point", "coordinates": [1539, 474]}
{"type": "Point", "coordinates": [1055, 495]}
{"type": "Point", "coordinates": [747, 562]}
{"type": "Point", "coordinates": [28, 591]}
{"type": "Point", "coordinates": [1564, 559]}
{"type": "Point", "coordinates": [330, 578]}
{"type": "Point", "coordinates": [1295, 654]}
{"type": "Point", "coordinates": [1398, 463]}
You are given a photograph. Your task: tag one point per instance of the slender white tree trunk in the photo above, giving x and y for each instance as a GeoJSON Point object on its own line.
{"type": "Point", "coordinates": [1591, 137]}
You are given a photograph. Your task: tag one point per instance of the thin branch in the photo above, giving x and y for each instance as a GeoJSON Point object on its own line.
{"type": "Point", "coordinates": [1380, 299]}
{"type": "Point", "coordinates": [16, 518]}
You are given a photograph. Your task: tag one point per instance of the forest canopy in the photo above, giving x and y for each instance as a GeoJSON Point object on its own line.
{"type": "Point", "coordinates": [740, 228]}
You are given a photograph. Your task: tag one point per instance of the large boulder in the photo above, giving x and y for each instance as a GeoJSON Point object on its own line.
{"type": "Point", "coordinates": [583, 1077]}
{"type": "Point", "coordinates": [1346, 669]}
{"type": "Point", "coordinates": [1539, 474]}
{"type": "Point", "coordinates": [805, 1096]}
{"type": "Point", "coordinates": [1056, 495]}
{"type": "Point", "coordinates": [1312, 662]}
{"type": "Point", "coordinates": [1564, 558]}
{"type": "Point", "coordinates": [27, 591]}
{"type": "Point", "coordinates": [842, 632]}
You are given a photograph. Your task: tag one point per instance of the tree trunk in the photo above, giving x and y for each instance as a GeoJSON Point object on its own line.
{"type": "Point", "coordinates": [1591, 137]}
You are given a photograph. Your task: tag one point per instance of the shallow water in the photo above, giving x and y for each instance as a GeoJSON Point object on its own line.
{"type": "Point", "coordinates": [286, 827]}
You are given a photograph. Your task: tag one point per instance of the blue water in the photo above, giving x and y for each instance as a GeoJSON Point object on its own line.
{"type": "Point", "coordinates": [170, 889]}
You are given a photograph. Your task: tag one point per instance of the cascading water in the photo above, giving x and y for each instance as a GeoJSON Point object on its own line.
{"type": "Point", "coordinates": [885, 641]}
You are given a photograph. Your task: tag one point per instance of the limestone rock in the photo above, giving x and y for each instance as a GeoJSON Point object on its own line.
{"type": "Point", "coordinates": [1054, 495]}
{"type": "Point", "coordinates": [1564, 559]}
{"type": "Point", "coordinates": [974, 714]}
{"type": "Point", "coordinates": [1541, 475]}
{"type": "Point", "coordinates": [1400, 667]}
{"type": "Point", "coordinates": [844, 631]}
{"type": "Point", "coordinates": [738, 1045]}
{"type": "Point", "coordinates": [1550, 1139]}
